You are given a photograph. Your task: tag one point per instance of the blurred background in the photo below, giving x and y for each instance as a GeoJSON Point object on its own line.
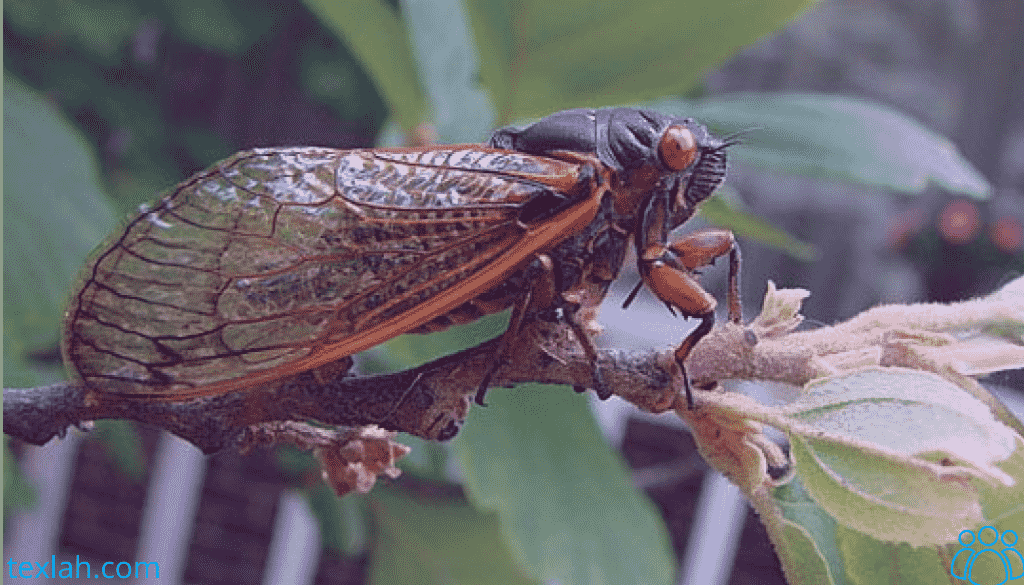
{"type": "Point", "coordinates": [145, 94]}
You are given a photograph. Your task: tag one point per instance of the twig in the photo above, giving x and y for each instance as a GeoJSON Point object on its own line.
{"type": "Point", "coordinates": [430, 401]}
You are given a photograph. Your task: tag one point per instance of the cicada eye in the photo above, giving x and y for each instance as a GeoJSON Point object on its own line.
{"type": "Point", "coordinates": [678, 148]}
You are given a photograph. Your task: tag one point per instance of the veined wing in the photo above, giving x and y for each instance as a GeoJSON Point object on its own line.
{"type": "Point", "coordinates": [277, 261]}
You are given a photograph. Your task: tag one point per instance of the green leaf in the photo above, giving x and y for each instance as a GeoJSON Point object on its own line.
{"type": "Point", "coordinates": [723, 213]}
{"type": "Point", "coordinates": [891, 466]}
{"type": "Point", "coordinates": [856, 489]}
{"type": "Point", "coordinates": [816, 550]}
{"type": "Point", "coordinates": [540, 56]}
{"type": "Point", "coordinates": [444, 50]}
{"type": "Point", "coordinates": [102, 28]}
{"type": "Point", "coordinates": [811, 554]}
{"type": "Point", "coordinates": [410, 350]}
{"type": "Point", "coordinates": [343, 521]}
{"type": "Point", "coordinates": [429, 541]}
{"type": "Point", "coordinates": [123, 444]}
{"type": "Point", "coordinates": [567, 507]}
{"type": "Point", "coordinates": [377, 37]}
{"type": "Point", "coordinates": [908, 413]}
{"type": "Point", "coordinates": [55, 213]}
{"type": "Point", "coordinates": [427, 460]}
{"type": "Point", "coordinates": [871, 561]}
{"type": "Point", "coordinates": [19, 493]}
{"type": "Point", "coordinates": [208, 23]}
{"type": "Point", "coordinates": [838, 138]}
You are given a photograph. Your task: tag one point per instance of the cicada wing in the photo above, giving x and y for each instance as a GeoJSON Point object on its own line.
{"type": "Point", "coordinates": [280, 260]}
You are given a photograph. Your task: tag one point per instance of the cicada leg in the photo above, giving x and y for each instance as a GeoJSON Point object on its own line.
{"type": "Point", "coordinates": [541, 295]}
{"type": "Point", "coordinates": [603, 392]}
{"type": "Point", "coordinates": [505, 343]}
{"type": "Point", "coordinates": [669, 271]}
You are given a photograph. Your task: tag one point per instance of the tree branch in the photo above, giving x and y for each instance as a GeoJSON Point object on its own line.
{"type": "Point", "coordinates": [432, 400]}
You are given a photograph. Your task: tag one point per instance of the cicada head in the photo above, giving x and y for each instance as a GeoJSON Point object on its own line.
{"type": "Point", "coordinates": [707, 172]}
{"type": "Point", "coordinates": [649, 151]}
{"type": "Point", "coordinates": [690, 160]}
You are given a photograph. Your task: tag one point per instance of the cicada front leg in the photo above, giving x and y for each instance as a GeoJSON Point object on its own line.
{"type": "Point", "coordinates": [701, 249]}
{"type": "Point", "coordinates": [670, 271]}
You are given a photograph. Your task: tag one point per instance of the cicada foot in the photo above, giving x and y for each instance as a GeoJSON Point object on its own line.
{"type": "Point", "coordinates": [600, 388]}
{"type": "Point", "coordinates": [481, 390]}
{"type": "Point", "coordinates": [684, 349]}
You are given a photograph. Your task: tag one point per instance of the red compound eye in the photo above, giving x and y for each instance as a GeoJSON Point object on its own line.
{"type": "Point", "coordinates": [678, 148]}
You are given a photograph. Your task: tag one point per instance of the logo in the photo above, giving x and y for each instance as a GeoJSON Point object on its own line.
{"type": "Point", "coordinates": [997, 550]}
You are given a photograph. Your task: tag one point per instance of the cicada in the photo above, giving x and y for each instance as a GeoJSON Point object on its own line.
{"type": "Point", "coordinates": [278, 261]}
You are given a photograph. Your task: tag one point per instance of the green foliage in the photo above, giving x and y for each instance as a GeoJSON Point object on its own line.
{"type": "Point", "coordinates": [123, 445]}
{"type": "Point", "coordinates": [343, 521]}
{"type": "Point", "coordinates": [837, 138]}
{"type": "Point", "coordinates": [97, 29]}
{"type": "Point", "coordinates": [889, 464]}
{"type": "Point", "coordinates": [846, 458]}
{"type": "Point", "coordinates": [890, 516]}
{"type": "Point", "coordinates": [18, 493]}
{"type": "Point", "coordinates": [564, 498]}
{"type": "Point", "coordinates": [538, 57]}
{"type": "Point", "coordinates": [128, 72]}
{"type": "Point", "coordinates": [727, 212]}
{"type": "Point", "coordinates": [543, 487]}
{"type": "Point", "coordinates": [56, 212]}
{"type": "Point", "coordinates": [378, 37]}
{"type": "Point", "coordinates": [428, 540]}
